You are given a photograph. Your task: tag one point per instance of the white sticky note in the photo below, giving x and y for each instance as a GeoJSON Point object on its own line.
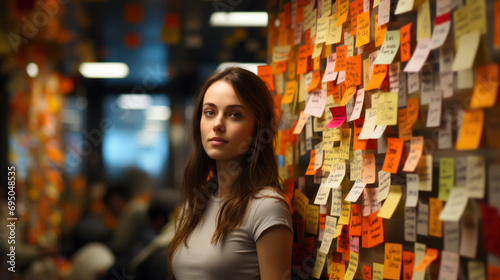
{"type": "Point", "coordinates": [411, 190]}
{"type": "Point", "coordinates": [446, 83]}
{"type": "Point", "coordinates": [384, 185]}
{"type": "Point", "coordinates": [420, 250]}
{"type": "Point", "coordinates": [461, 171]}
{"type": "Point", "coordinates": [378, 132]}
{"type": "Point", "coordinates": [389, 48]}
{"type": "Point", "coordinates": [369, 124]}
{"type": "Point", "coordinates": [322, 194]}
{"type": "Point", "coordinates": [355, 191]}
{"type": "Point", "coordinates": [316, 103]}
{"type": "Point", "coordinates": [384, 9]}
{"type": "Point", "coordinates": [358, 105]}
{"type": "Point", "coordinates": [330, 74]}
{"type": "Point", "coordinates": [402, 90]}
{"type": "Point", "coordinates": [434, 112]}
{"type": "Point", "coordinates": [336, 206]}
{"type": "Point", "coordinates": [330, 226]}
{"type": "Point", "coordinates": [444, 133]}
{"type": "Point", "coordinates": [423, 218]}
{"type": "Point", "coordinates": [419, 56]}
{"type": "Point", "coordinates": [469, 232]}
{"type": "Point", "coordinates": [404, 6]}
{"type": "Point", "coordinates": [455, 206]}
{"type": "Point", "coordinates": [450, 262]}
{"type": "Point", "coordinates": [410, 224]}
{"type": "Point", "coordinates": [466, 52]}
{"type": "Point", "coordinates": [427, 83]}
{"type": "Point", "coordinates": [336, 175]}
{"type": "Point", "coordinates": [476, 177]}
{"type": "Point", "coordinates": [439, 35]}
{"type": "Point", "coordinates": [494, 185]}
{"type": "Point", "coordinates": [318, 159]}
{"type": "Point", "coordinates": [451, 232]}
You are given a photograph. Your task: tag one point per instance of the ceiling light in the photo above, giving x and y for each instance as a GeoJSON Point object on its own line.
{"type": "Point", "coordinates": [103, 70]}
{"type": "Point", "coordinates": [32, 69]}
{"type": "Point", "coordinates": [239, 19]}
{"type": "Point", "coordinates": [134, 101]}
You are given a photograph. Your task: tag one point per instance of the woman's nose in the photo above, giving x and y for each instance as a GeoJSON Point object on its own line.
{"type": "Point", "coordinates": [219, 124]}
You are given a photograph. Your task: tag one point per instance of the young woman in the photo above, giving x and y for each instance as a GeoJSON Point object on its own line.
{"type": "Point", "coordinates": [235, 223]}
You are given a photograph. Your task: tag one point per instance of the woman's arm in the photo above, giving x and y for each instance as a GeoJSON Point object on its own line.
{"type": "Point", "coordinates": [274, 251]}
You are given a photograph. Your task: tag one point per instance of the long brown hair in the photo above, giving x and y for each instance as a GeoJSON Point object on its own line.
{"type": "Point", "coordinates": [257, 171]}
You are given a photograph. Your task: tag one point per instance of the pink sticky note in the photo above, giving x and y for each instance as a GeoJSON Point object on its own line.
{"type": "Point", "coordinates": [316, 103]}
{"type": "Point", "coordinates": [330, 74]}
{"type": "Point", "coordinates": [355, 244]}
{"type": "Point", "coordinates": [419, 56]}
{"type": "Point", "coordinates": [339, 116]}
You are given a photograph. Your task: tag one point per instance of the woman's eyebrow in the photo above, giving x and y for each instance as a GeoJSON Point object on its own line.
{"type": "Point", "coordinates": [228, 106]}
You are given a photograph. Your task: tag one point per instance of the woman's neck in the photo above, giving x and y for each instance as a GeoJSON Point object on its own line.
{"type": "Point", "coordinates": [227, 173]}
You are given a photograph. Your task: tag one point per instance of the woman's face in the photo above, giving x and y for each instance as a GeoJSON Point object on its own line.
{"type": "Point", "coordinates": [226, 123]}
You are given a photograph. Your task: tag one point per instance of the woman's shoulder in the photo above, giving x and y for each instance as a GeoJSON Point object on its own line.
{"type": "Point", "coordinates": [269, 193]}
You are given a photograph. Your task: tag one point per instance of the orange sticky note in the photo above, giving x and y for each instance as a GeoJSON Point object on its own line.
{"type": "Point", "coordinates": [344, 241]}
{"type": "Point", "coordinates": [471, 131]}
{"type": "Point", "coordinates": [356, 8]}
{"type": "Point", "coordinates": [486, 86]}
{"type": "Point", "coordinates": [349, 93]}
{"type": "Point", "coordinates": [368, 168]}
{"type": "Point", "coordinates": [393, 254]}
{"type": "Point", "coordinates": [353, 71]}
{"type": "Point", "coordinates": [408, 263]}
{"type": "Point", "coordinates": [341, 60]}
{"type": "Point", "coordinates": [405, 133]}
{"type": "Point", "coordinates": [310, 169]}
{"type": "Point", "coordinates": [412, 108]}
{"type": "Point", "coordinates": [405, 42]}
{"type": "Point", "coordinates": [300, 14]}
{"type": "Point", "coordinates": [496, 39]}
{"type": "Point", "coordinates": [363, 30]}
{"type": "Point", "coordinates": [302, 61]}
{"type": "Point", "coordinates": [289, 92]}
{"type": "Point", "coordinates": [435, 224]}
{"type": "Point", "coordinates": [493, 271]}
{"type": "Point", "coordinates": [367, 272]}
{"type": "Point", "coordinates": [379, 33]}
{"type": "Point", "coordinates": [416, 148]}
{"type": "Point", "coordinates": [337, 270]}
{"type": "Point", "coordinates": [378, 75]}
{"type": "Point", "coordinates": [316, 63]}
{"type": "Point", "coordinates": [343, 11]}
{"type": "Point", "coordinates": [372, 231]}
{"type": "Point", "coordinates": [280, 67]}
{"type": "Point", "coordinates": [430, 255]}
{"type": "Point", "coordinates": [393, 155]}
{"type": "Point", "coordinates": [265, 72]}
{"type": "Point", "coordinates": [314, 81]}
{"type": "Point", "coordinates": [333, 89]}
{"type": "Point", "coordinates": [355, 223]}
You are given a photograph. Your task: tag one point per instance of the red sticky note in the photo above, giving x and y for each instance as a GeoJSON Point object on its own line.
{"type": "Point", "coordinates": [393, 155]}
{"type": "Point", "coordinates": [405, 42]}
{"type": "Point", "coordinates": [341, 60]}
{"type": "Point", "coordinates": [408, 263]}
{"type": "Point", "coordinates": [491, 228]}
{"type": "Point", "coordinates": [372, 231]}
{"type": "Point", "coordinates": [343, 241]}
{"type": "Point", "coordinates": [367, 272]}
{"type": "Point", "coordinates": [339, 116]}
{"type": "Point", "coordinates": [355, 223]}
{"type": "Point", "coordinates": [265, 72]}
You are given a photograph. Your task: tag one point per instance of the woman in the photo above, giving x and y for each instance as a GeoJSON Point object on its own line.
{"type": "Point", "coordinates": [235, 223]}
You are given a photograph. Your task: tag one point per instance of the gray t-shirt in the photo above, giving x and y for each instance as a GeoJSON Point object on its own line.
{"type": "Point", "coordinates": [235, 257]}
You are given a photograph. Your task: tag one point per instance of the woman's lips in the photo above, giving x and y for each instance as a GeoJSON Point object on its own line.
{"type": "Point", "coordinates": [217, 141]}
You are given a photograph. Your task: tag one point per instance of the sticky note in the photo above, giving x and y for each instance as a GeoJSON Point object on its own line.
{"type": "Point", "coordinates": [343, 8]}
{"type": "Point", "coordinates": [411, 190]}
{"type": "Point", "coordinates": [405, 33]}
{"type": "Point", "coordinates": [404, 131]}
{"type": "Point", "coordinates": [455, 206]}
{"type": "Point", "coordinates": [466, 53]}
{"type": "Point", "coordinates": [336, 206]}
{"type": "Point", "coordinates": [446, 177]}
{"type": "Point", "coordinates": [430, 255]}
{"type": "Point", "coordinates": [387, 108]}
{"type": "Point", "coordinates": [353, 266]}
{"type": "Point", "coordinates": [356, 8]}
{"type": "Point", "coordinates": [322, 194]}
{"type": "Point", "coordinates": [265, 72]}
{"type": "Point", "coordinates": [416, 148]}
{"type": "Point", "coordinates": [412, 109]}
{"type": "Point", "coordinates": [302, 60]}
{"type": "Point", "coordinates": [408, 263]}
{"type": "Point", "coordinates": [389, 48]}
{"type": "Point", "coordinates": [312, 219]}
{"type": "Point", "coordinates": [318, 48]}
{"type": "Point", "coordinates": [384, 12]}
{"type": "Point", "coordinates": [346, 212]}
{"type": "Point", "coordinates": [369, 124]}
{"type": "Point", "coordinates": [476, 177]}
{"type": "Point", "coordinates": [384, 184]}
{"type": "Point", "coordinates": [419, 56]}
{"type": "Point", "coordinates": [336, 175]}
{"type": "Point", "coordinates": [358, 105]}
{"type": "Point", "coordinates": [391, 203]}
{"type": "Point", "coordinates": [347, 96]}
{"type": "Point", "coordinates": [321, 30]}
{"type": "Point", "coordinates": [424, 171]}
{"type": "Point", "coordinates": [353, 71]}
{"type": "Point", "coordinates": [367, 272]}
{"type": "Point", "coordinates": [343, 241]}
{"type": "Point", "coordinates": [316, 103]}
{"type": "Point", "coordinates": [363, 30]}
{"type": "Point", "coordinates": [334, 35]}
{"type": "Point", "coordinates": [338, 116]}
{"type": "Point", "coordinates": [378, 75]}
{"type": "Point", "coordinates": [393, 253]}
{"type": "Point", "coordinates": [461, 22]}
{"type": "Point", "coordinates": [356, 165]}
{"type": "Point", "coordinates": [410, 224]}
{"type": "Point", "coordinates": [393, 155]}
{"type": "Point", "coordinates": [423, 217]}
{"type": "Point", "coordinates": [330, 226]}
{"type": "Point", "coordinates": [301, 122]}
{"type": "Point", "coordinates": [355, 191]}
{"type": "Point", "coordinates": [330, 74]}
{"type": "Point", "coordinates": [449, 265]}
{"type": "Point", "coordinates": [440, 32]}
{"type": "Point", "coordinates": [442, 7]}
{"type": "Point", "coordinates": [319, 265]}
{"type": "Point", "coordinates": [471, 130]}
{"type": "Point", "coordinates": [280, 53]}
{"type": "Point", "coordinates": [289, 92]}
{"type": "Point", "coordinates": [434, 112]}
{"type": "Point", "coordinates": [435, 224]}
{"type": "Point", "coordinates": [424, 21]}
{"type": "Point", "coordinates": [379, 32]}
{"type": "Point", "coordinates": [485, 87]}
{"type": "Point", "coordinates": [494, 185]}
{"type": "Point", "coordinates": [299, 203]}
{"type": "Point", "coordinates": [355, 223]}
{"type": "Point", "coordinates": [341, 59]}
{"type": "Point", "coordinates": [368, 169]}
{"type": "Point", "coordinates": [469, 233]}
{"type": "Point", "coordinates": [419, 256]}
{"type": "Point", "coordinates": [477, 15]}
{"type": "Point", "coordinates": [378, 271]}
{"type": "Point", "coordinates": [337, 270]}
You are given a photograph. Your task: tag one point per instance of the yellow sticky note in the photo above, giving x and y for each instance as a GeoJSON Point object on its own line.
{"type": "Point", "coordinates": [343, 12]}
{"type": "Point", "coordinates": [471, 131]}
{"type": "Point", "coordinates": [387, 108]}
{"type": "Point", "coordinates": [280, 53]}
{"type": "Point", "coordinates": [337, 270]}
{"type": "Point", "coordinates": [318, 265]}
{"type": "Point", "coordinates": [485, 90]}
{"type": "Point", "coordinates": [389, 48]}
{"type": "Point", "coordinates": [378, 271]}
{"type": "Point", "coordinates": [345, 142]}
{"type": "Point", "coordinates": [346, 212]}
{"type": "Point", "coordinates": [424, 21]}
{"type": "Point", "coordinates": [375, 4]}
{"type": "Point", "coordinates": [363, 30]}
{"type": "Point", "coordinates": [466, 53]}
{"type": "Point", "coordinates": [353, 265]}
{"type": "Point", "coordinates": [424, 170]}
{"type": "Point", "coordinates": [461, 23]}
{"type": "Point", "coordinates": [446, 177]}
{"type": "Point", "coordinates": [289, 92]}
{"type": "Point", "coordinates": [322, 29]}
{"type": "Point", "coordinates": [334, 32]}
{"type": "Point", "coordinates": [477, 15]}
{"type": "Point", "coordinates": [393, 255]}
{"type": "Point", "coordinates": [312, 219]}
{"type": "Point", "coordinates": [391, 203]}
{"type": "Point", "coordinates": [300, 202]}
{"type": "Point", "coordinates": [317, 50]}
{"type": "Point", "coordinates": [435, 224]}
{"type": "Point", "coordinates": [338, 231]}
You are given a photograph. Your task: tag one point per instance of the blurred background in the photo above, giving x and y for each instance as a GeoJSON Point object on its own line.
{"type": "Point", "coordinates": [96, 98]}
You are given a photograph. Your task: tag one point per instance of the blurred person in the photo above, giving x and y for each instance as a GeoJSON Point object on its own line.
{"type": "Point", "coordinates": [234, 223]}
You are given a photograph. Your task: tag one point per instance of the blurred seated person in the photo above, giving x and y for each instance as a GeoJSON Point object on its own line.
{"type": "Point", "coordinates": [150, 262]}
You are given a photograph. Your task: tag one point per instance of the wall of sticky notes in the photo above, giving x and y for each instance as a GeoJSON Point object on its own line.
{"type": "Point", "coordinates": [389, 136]}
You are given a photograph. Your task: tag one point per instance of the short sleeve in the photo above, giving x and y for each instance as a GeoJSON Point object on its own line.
{"type": "Point", "coordinates": [269, 212]}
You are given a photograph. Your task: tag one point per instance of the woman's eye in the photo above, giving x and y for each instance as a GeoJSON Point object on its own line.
{"type": "Point", "coordinates": [209, 113]}
{"type": "Point", "coordinates": [235, 115]}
